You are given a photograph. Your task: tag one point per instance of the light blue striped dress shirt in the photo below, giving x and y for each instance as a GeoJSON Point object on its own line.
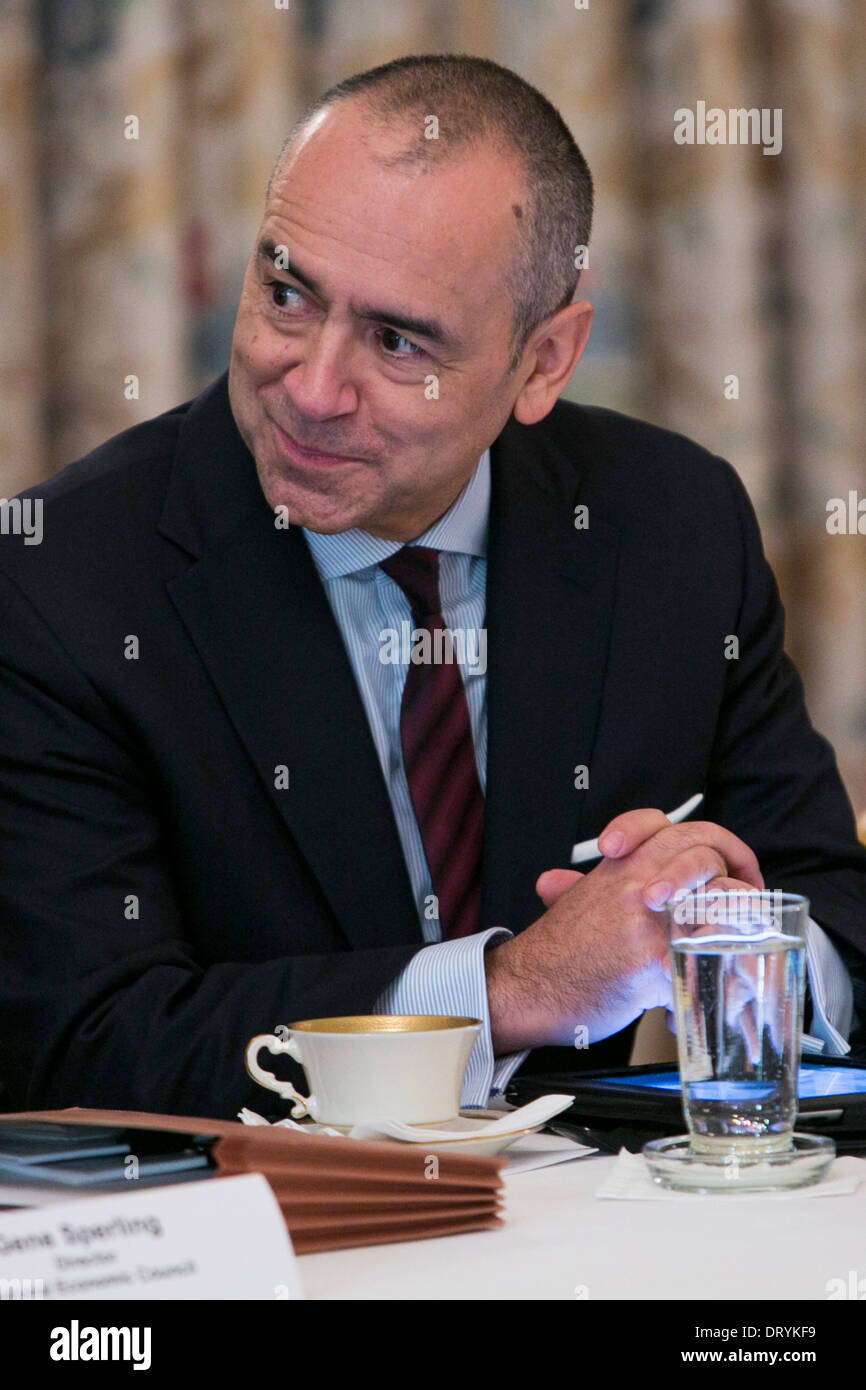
{"type": "Point", "coordinates": [447, 977]}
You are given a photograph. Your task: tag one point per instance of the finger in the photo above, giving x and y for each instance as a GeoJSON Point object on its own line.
{"type": "Point", "coordinates": [777, 1001]}
{"type": "Point", "coordinates": [749, 971]}
{"type": "Point", "coordinates": [764, 977]}
{"type": "Point", "coordinates": [740, 1016]}
{"type": "Point", "coordinates": [725, 884]}
{"type": "Point", "coordinates": [714, 892]}
{"type": "Point", "coordinates": [741, 1010]}
{"type": "Point", "coordinates": [749, 1030]}
{"type": "Point", "coordinates": [738, 992]}
{"type": "Point", "coordinates": [551, 885]}
{"type": "Point", "coordinates": [741, 861]}
{"type": "Point", "coordinates": [625, 832]}
{"type": "Point", "coordinates": [692, 868]}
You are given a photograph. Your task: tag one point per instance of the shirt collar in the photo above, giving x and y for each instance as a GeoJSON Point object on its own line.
{"type": "Point", "coordinates": [462, 528]}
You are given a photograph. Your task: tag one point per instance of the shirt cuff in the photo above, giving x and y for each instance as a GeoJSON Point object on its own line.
{"type": "Point", "coordinates": [449, 978]}
{"type": "Point", "coordinates": [832, 996]}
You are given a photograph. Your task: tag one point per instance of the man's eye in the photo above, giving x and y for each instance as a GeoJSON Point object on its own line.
{"type": "Point", "coordinates": [278, 287]}
{"type": "Point", "coordinates": [392, 340]}
{"type": "Point", "coordinates": [286, 299]}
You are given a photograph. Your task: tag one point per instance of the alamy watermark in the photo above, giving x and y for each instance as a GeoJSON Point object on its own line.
{"type": "Point", "coordinates": [22, 1290]}
{"type": "Point", "coordinates": [846, 516]}
{"type": "Point", "coordinates": [719, 907]}
{"type": "Point", "coordinates": [737, 126]}
{"type": "Point", "coordinates": [22, 516]}
{"type": "Point", "coordinates": [436, 646]}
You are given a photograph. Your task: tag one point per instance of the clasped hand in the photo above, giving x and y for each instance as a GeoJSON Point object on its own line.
{"type": "Point", "coordinates": [598, 956]}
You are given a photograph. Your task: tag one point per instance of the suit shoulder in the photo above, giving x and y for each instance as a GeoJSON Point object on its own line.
{"type": "Point", "coordinates": [649, 454]}
{"type": "Point", "coordinates": [627, 435]}
{"type": "Point", "coordinates": [646, 478]}
{"type": "Point", "coordinates": [143, 450]}
{"type": "Point", "coordinates": [92, 516]}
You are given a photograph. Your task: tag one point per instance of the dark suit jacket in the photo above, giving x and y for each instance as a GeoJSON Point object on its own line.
{"type": "Point", "coordinates": [161, 900]}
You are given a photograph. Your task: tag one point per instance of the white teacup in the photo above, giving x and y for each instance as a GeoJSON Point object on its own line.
{"type": "Point", "coordinates": [407, 1067]}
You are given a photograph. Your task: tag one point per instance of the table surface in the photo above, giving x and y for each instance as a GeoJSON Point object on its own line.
{"type": "Point", "coordinates": [561, 1242]}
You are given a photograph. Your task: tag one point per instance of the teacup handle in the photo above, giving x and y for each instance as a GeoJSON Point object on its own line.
{"type": "Point", "coordinates": [303, 1105]}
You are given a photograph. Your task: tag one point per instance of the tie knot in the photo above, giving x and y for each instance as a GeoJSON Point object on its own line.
{"type": "Point", "coordinates": [416, 569]}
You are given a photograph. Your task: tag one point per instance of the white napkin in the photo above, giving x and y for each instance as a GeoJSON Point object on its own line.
{"type": "Point", "coordinates": [630, 1179]}
{"type": "Point", "coordinates": [526, 1154]}
{"type": "Point", "coordinates": [249, 1117]}
{"type": "Point", "coordinates": [537, 1112]}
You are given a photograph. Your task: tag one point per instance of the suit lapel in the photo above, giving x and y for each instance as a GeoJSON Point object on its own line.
{"type": "Point", "coordinates": [550, 590]}
{"type": "Point", "coordinates": [256, 611]}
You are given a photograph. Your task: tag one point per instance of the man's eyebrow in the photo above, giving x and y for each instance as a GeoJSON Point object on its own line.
{"type": "Point", "coordinates": [430, 329]}
{"type": "Point", "coordinates": [267, 251]}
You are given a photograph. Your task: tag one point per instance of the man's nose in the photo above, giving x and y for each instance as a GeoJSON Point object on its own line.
{"type": "Point", "coordinates": [320, 381]}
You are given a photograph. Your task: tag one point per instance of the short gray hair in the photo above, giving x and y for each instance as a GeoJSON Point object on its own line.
{"type": "Point", "coordinates": [476, 99]}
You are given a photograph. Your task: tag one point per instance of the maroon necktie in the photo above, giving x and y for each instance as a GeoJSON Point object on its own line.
{"type": "Point", "coordinates": [438, 754]}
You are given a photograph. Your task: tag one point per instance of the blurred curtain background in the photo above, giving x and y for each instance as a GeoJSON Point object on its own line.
{"type": "Point", "coordinates": [124, 257]}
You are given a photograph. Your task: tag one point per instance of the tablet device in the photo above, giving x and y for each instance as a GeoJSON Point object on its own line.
{"type": "Point", "coordinates": [96, 1157]}
{"type": "Point", "coordinates": [629, 1105]}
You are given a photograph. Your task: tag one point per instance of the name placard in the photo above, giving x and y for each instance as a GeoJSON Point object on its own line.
{"type": "Point", "coordinates": [221, 1238]}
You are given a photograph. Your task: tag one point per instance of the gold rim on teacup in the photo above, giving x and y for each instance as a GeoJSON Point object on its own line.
{"type": "Point", "coordinates": [382, 1023]}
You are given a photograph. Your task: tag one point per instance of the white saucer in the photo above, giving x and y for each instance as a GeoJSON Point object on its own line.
{"type": "Point", "coordinates": [456, 1140]}
{"type": "Point", "coordinates": [458, 1136]}
{"type": "Point", "coordinates": [483, 1132]}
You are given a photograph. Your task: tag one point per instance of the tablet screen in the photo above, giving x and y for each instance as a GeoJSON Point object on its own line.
{"type": "Point", "coordinates": [812, 1083]}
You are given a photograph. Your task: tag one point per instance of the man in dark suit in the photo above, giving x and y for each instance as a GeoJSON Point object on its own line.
{"type": "Point", "coordinates": [225, 807]}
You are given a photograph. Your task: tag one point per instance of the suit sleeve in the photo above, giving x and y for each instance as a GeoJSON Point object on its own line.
{"type": "Point", "coordinates": [103, 1004]}
{"type": "Point", "coordinates": [773, 778]}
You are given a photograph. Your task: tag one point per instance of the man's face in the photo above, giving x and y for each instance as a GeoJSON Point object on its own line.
{"type": "Point", "coordinates": [382, 351]}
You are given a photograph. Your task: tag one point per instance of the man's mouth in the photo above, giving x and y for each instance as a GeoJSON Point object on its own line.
{"type": "Point", "coordinates": [315, 458]}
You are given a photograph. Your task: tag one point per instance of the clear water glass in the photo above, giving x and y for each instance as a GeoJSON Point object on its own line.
{"type": "Point", "coordinates": [738, 968]}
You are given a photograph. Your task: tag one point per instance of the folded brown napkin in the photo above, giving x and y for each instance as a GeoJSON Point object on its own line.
{"type": "Point", "coordinates": [335, 1192]}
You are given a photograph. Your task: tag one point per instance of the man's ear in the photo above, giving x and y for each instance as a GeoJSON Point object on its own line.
{"type": "Point", "coordinates": [553, 351]}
